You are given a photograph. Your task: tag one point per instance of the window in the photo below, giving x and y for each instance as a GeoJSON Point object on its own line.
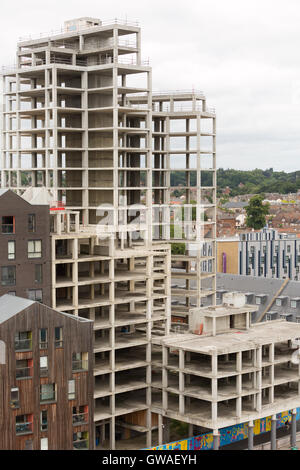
{"type": "Point", "coordinates": [44, 420]}
{"type": "Point", "coordinates": [81, 440]}
{"type": "Point", "coordinates": [11, 248]}
{"type": "Point", "coordinates": [43, 338]}
{"type": "Point", "coordinates": [71, 389]}
{"type": "Point", "coordinates": [8, 276]}
{"type": "Point", "coordinates": [288, 248]}
{"type": "Point", "coordinates": [293, 303]}
{"type": "Point", "coordinates": [31, 223]}
{"type": "Point", "coordinates": [24, 424]}
{"type": "Point", "coordinates": [279, 302]}
{"type": "Point", "coordinates": [35, 294]}
{"type": "Point", "coordinates": [23, 341]}
{"type": "Point", "coordinates": [14, 397]}
{"type": "Point", "coordinates": [8, 224]}
{"type": "Point", "coordinates": [257, 300]}
{"type": "Point", "coordinates": [43, 366]}
{"type": "Point", "coordinates": [35, 249]}
{"type": "Point", "coordinates": [79, 361]}
{"type": "Point", "coordinates": [44, 443]}
{"type": "Point", "coordinates": [80, 415]}
{"type": "Point", "coordinates": [47, 392]}
{"type": "Point", "coordinates": [58, 337]}
{"type": "Point", "coordinates": [24, 369]}
{"type": "Point", "coordinates": [38, 273]}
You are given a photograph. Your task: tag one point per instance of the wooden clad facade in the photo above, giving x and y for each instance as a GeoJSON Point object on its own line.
{"type": "Point", "coordinates": [64, 427]}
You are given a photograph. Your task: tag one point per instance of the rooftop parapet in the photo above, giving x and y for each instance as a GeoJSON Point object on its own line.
{"type": "Point", "coordinates": [82, 25]}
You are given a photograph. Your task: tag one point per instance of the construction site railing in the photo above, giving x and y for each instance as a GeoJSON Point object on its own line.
{"type": "Point", "coordinates": [76, 29]}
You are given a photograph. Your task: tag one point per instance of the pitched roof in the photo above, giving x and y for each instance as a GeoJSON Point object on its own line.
{"type": "Point", "coordinates": [11, 305]}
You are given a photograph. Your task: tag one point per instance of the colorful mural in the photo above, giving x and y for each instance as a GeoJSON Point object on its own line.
{"type": "Point", "coordinates": [228, 435]}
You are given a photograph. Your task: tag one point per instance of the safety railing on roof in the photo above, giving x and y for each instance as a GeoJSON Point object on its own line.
{"type": "Point", "coordinates": [95, 45]}
{"type": "Point", "coordinates": [76, 29]}
{"type": "Point", "coordinates": [178, 92]}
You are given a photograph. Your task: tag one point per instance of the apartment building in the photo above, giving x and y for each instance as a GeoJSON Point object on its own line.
{"type": "Point", "coordinates": [46, 370]}
{"type": "Point", "coordinates": [266, 253]}
{"type": "Point", "coordinates": [269, 253]}
{"type": "Point", "coordinates": [24, 248]}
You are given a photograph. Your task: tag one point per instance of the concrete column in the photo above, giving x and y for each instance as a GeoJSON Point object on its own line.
{"type": "Point", "coordinates": [273, 433]}
{"type": "Point", "coordinates": [112, 436]}
{"type": "Point", "coordinates": [250, 435]}
{"type": "Point", "coordinates": [239, 361]}
{"type": "Point", "coordinates": [294, 429]}
{"type": "Point", "coordinates": [216, 437]}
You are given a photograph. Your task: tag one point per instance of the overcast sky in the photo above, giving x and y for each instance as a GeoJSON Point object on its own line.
{"type": "Point", "coordinates": [244, 55]}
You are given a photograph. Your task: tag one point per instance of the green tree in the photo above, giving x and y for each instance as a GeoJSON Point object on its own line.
{"type": "Point", "coordinates": [257, 212]}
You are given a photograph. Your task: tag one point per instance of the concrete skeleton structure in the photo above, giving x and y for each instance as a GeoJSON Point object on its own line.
{"type": "Point", "coordinates": [68, 127]}
{"type": "Point", "coordinates": [80, 120]}
{"type": "Point", "coordinates": [127, 295]}
{"type": "Point", "coordinates": [184, 143]}
{"type": "Point", "coordinates": [234, 372]}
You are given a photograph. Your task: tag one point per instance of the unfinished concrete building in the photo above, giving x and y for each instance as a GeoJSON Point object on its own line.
{"type": "Point", "coordinates": [227, 371]}
{"type": "Point", "coordinates": [80, 120]}
{"type": "Point", "coordinates": [184, 160]}
{"type": "Point", "coordinates": [126, 294]}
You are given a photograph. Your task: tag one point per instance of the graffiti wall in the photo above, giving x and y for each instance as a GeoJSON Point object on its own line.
{"type": "Point", "coordinates": [228, 435]}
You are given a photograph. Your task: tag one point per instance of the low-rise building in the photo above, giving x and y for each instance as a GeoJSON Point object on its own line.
{"type": "Point", "coordinates": [46, 376]}
{"type": "Point", "coordinates": [227, 371]}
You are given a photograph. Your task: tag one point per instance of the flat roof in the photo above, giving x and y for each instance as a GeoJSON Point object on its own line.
{"type": "Point", "coordinates": [223, 310]}
{"type": "Point", "coordinates": [237, 340]}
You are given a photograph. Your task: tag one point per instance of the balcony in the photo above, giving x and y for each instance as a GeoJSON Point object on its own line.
{"type": "Point", "coordinates": [82, 444]}
{"type": "Point", "coordinates": [78, 366]}
{"type": "Point", "coordinates": [24, 428]}
{"type": "Point", "coordinates": [24, 373]}
{"type": "Point", "coordinates": [80, 419]}
{"type": "Point", "coordinates": [23, 345]}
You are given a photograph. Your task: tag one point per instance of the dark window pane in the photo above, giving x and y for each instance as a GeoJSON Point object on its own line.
{"type": "Point", "coordinates": [31, 223]}
{"type": "Point", "coordinates": [39, 273]}
{"type": "Point", "coordinates": [8, 275]}
{"type": "Point", "coordinates": [8, 224]}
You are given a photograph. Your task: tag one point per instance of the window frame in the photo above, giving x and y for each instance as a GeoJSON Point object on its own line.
{"type": "Point", "coordinates": [8, 225]}
{"type": "Point", "coordinates": [14, 251]}
{"type": "Point", "coordinates": [9, 268]}
{"type": "Point", "coordinates": [32, 254]}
